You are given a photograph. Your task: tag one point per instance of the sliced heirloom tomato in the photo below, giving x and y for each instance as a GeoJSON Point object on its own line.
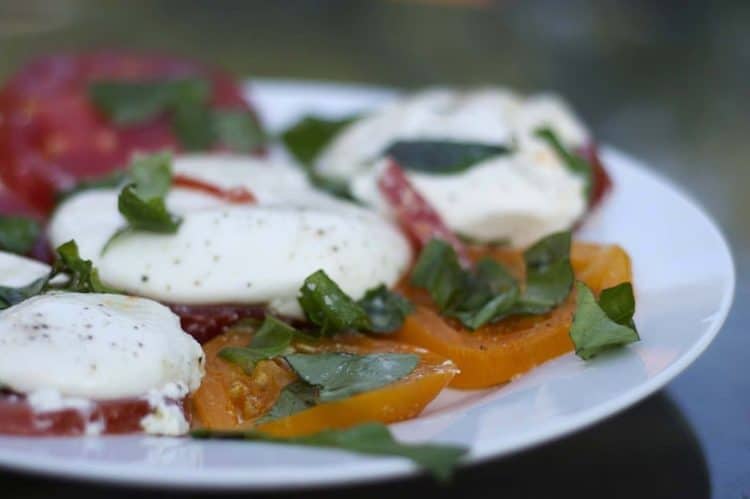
{"type": "Point", "coordinates": [230, 399]}
{"type": "Point", "coordinates": [110, 417]}
{"type": "Point", "coordinates": [52, 136]}
{"type": "Point", "coordinates": [496, 353]}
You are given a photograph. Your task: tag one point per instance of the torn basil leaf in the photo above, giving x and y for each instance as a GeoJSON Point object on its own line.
{"type": "Point", "coordinates": [606, 324]}
{"type": "Point", "coordinates": [367, 438]}
{"type": "Point", "coordinates": [295, 397]}
{"type": "Point", "coordinates": [490, 294]}
{"type": "Point", "coordinates": [238, 130]}
{"type": "Point", "coordinates": [385, 308]}
{"type": "Point", "coordinates": [83, 276]}
{"type": "Point", "coordinates": [549, 274]}
{"type": "Point", "coordinates": [437, 270]}
{"type": "Point", "coordinates": [142, 203]}
{"type": "Point", "coordinates": [271, 339]}
{"type": "Point", "coordinates": [18, 234]}
{"type": "Point", "coordinates": [329, 308]}
{"type": "Point", "coordinates": [441, 157]}
{"type": "Point", "coordinates": [307, 138]}
{"type": "Point", "coordinates": [575, 163]}
{"type": "Point", "coordinates": [131, 103]}
{"type": "Point", "coordinates": [192, 123]}
{"type": "Point", "coordinates": [340, 375]}
{"type": "Point", "coordinates": [12, 296]}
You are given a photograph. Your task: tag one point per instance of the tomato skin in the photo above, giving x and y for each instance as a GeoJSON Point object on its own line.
{"type": "Point", "coordinates": [602, 183]}
{"type": "Point", "coordinates": [51, 136]}
{"type": "Point", "coordinates": [116, 416]}
{"type": "Point", "coordinates": [204, 322]}
{"type": "Point", "coordinates": [415, 214]}
{"type": "Point", "coordinates": [236, 195]}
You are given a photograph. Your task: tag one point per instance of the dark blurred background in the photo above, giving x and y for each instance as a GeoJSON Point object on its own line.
{"type": "Point", "coordinates": [668, 81]}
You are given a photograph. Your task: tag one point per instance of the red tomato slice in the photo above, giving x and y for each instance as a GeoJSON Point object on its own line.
{"type": "Point", "coordinates": [116, 416]}
{"type": "Point", "coordinates": [51, 136]}
{"type": "Point", "coordinates": [601, 180]}
{"type": "Point", "coordinates": [415, 214]}
{"type": "Point", "coordinates": [204, 322]}
{"type": "Point", "coordinates": [235, 195]}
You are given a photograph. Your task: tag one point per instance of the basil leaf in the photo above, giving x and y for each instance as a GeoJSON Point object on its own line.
{"type": "Point", "coordinates": [604, 325]}
{"type": "Point", "coordinates": [13, 296]}
{"type": "Point", "coordinates": [441, 157]}
{"type": "Point", "coordinates": [142, 203]}
{"type": "Point", "coordinates": [271, 340]}
{"type": "Point", "coordinates": [295, 397]}
{"type": "Point", "coordinates": [385, 308]}
{"type": "Point", "coordinates": [341, 375]}
{"type": "Point", "coordinates": [437, 270]}
{"type": "Point", "coordinates": [575, 163]}
{"type": "Point", "coordinates": [307, 138]}
{"type": "Point", "coordinates": [328, 307]}
{"type": "Point", "coordinates": [18, 234]}
{"type": "Point", "coordinates": [492, 295]}
{"type": "Point", "coordinates": [192, 123]}
{"type": "Point", "coordinates": [549, 275]}
{"type": "Point", "coordinates": [368, 438]}
{"type": "Point", "coordinates": [238, 130]}
{"type": "Point", "coordinates": [130, 103]}
{"type": "Point", "coordinates": [83, 276]}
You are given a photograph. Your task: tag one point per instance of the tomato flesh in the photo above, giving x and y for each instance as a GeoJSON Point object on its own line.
{"type": "Point", "coordinates": [115, 417]}
{"type": "Point", "coordinates": [51, 136]}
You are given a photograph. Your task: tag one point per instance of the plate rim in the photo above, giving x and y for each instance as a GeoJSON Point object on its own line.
{"type": "Point", "coordinates": [394, 469]}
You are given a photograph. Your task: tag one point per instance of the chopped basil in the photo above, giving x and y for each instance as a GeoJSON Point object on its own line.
{"type": "Point", "coordinates": [549, 275]}
{"type": "Point", "coordinates": [18, 234]}
{"type": "Point", "coordinates": [131, 103]}
{"type": "Point", "coordinates": [575, 163]}
{"type": "Point", "coordinates": [196, 125]}
{"type": "Point", "coordinates": [606, 324]}
{"type": "Point", "coordinates": [329, 308]}
{"type": "Point", "coordinates": [12, 296]}
{"type": "Point", "coordinates": [295, 397]}
{"type": "Point", "coordinates": [340, 375]}
{"type": "Point", "coordinates": [83, 276]}
{"type": "Point", "coordinates": [307, 138]}
{"type": "Point", "coordinates": [368, 438]}
{"type": "Point", "coordinates": [142, 202]}
{"type": "Point", "coordinates": [441, 157]}
{"type": "Point", "coordinates": [489, 293]}
{"type": "Point", "coordinates": [238, 130]}
{"type": "Point", "coordinates": [271, 340]}
{"type": "Point", "coordinates": [385, 308]}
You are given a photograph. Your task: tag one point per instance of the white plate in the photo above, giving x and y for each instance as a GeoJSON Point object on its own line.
{"type": "Point", "coordinates": [684, 278]}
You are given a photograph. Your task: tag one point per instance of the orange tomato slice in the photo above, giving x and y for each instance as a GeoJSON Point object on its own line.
{"type": "Point", "coordinates": [496, 353]}
{"type": "Point", "coordinates": [230, 399]}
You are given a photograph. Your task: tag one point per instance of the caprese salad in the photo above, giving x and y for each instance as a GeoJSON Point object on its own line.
{"type": "Point", "coordinates": [161, 274]}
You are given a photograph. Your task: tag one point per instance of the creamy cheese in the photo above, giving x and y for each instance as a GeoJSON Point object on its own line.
{"type": "Point", "coordinates": [65, 350]}
{"type": "Point", "coordinates": [520, 197]}
{"type": "Point", "coordinates": [225, 253]}
{"type": "Point", "coordinates": [16, 271]}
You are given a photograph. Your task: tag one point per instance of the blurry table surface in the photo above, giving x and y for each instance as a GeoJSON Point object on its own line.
{"type": "Point", "coordinates": [665, 81]}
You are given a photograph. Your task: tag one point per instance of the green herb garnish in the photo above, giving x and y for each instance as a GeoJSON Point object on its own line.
{"type": "Point", "coordinates": [329, 308]}
{"type": "Point", "coordinates": [385, 308]}
{"type": "Point", "coordinates": [12, 296]}
{"type": "Point", "coordinates": [339, 375]}
{"type": "Point", "coordinates": [369, 438]}
{"type": "Point", "coordinates": [187, 102]}
{"type": "Point", "coordinates": [606, 324]}
{"type": "Point", "coordinates": [441, 157]}
{"type": "Point", "coordinates": [306, 139]}
{"type": "Point", "coordinates": [272, 339]}
{"type": "Point", "coordinates": [575, 163]}
{"type": "Point", "coordinates": [489, 293]}
{"type": "Point", "coordinates": [83, 276]}
{"type": "Point", "coordinates": [18, 234]}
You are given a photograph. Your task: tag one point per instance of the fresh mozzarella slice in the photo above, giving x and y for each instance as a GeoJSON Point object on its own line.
{"type": "Point", "coordinates": [16, 271]}
{"type": "Point", "coordinates": [224, 253]}
{"type": "Point", "coordinates": [65, 350]}
{"type": "Point", "coordinates": [520, 197]}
